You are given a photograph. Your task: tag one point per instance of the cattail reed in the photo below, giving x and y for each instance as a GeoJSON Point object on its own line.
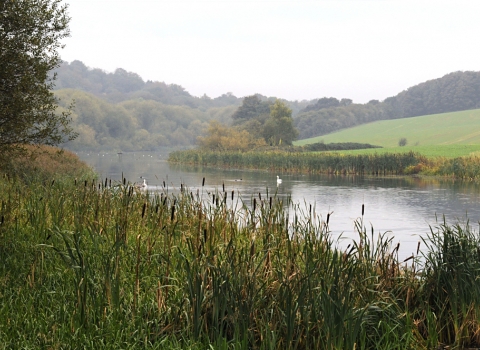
{"type": "Point", "coordinates": [143, 209]}
{"type": "Point", "coordinates": [275, 282]}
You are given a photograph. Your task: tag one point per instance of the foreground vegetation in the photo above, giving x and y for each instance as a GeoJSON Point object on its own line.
{"type": "Point", "coordinates": [89, 264]}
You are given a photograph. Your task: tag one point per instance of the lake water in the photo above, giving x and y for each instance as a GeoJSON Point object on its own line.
{"type": "Point", "coordinates": [405, 207]}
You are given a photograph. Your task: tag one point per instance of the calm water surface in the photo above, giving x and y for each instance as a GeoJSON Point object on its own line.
{"type": "Point", "coordinates": [404, 207]}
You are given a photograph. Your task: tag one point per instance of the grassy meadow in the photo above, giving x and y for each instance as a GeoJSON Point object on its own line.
{"type": "Point", "coordinates": [90, 265]}
{"type": "Point", "coordinates": [454, 134]}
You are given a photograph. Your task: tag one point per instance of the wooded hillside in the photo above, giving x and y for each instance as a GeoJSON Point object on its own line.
{"type": "Point", "coordinates": [121, 111]}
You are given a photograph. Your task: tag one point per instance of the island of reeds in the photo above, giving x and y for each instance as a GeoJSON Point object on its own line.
{"type": "Point", "coordinates": [90, 263]}
{"type": "Point", "coordinates": [363, 163]}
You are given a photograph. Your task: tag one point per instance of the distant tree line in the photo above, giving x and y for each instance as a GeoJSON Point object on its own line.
{"type": "Point", "coordinates": [453, 92]}
{"type": "Point", "coordinates": [121, 111]}
{"type": "Point", "coordinates": [135, 124]}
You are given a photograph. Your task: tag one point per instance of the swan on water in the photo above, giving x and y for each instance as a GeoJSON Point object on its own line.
{"type": "Point", "coordinates": [142, 187]}
{"type": "Point", "coordinates": [279, 180]}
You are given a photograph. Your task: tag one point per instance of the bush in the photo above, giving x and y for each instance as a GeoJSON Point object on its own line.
{"type": "Point", "coordinates": [45, 163]}
{"type": "Point", "coordinates": [402, 142]}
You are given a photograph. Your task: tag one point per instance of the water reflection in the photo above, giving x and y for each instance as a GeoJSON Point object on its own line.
{"type": "Point", "coordinates": [406, 206]}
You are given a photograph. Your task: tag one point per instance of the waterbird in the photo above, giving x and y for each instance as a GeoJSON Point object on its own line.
{"type": "Point", "coordinates": [279, 180]}
{"type": "Point", "coordinates": [142, 187]}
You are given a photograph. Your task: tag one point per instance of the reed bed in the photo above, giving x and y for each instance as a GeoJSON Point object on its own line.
{"type": "Point", "coordinates": [406, 163]}
{"type": "Point", "coordinates": [91, 264]}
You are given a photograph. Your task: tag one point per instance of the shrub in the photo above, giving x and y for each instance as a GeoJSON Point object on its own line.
{"type": "Point", "coordinates": [46, 163]}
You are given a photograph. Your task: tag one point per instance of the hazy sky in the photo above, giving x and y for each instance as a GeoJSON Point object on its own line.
{"type": "Point", "coordinates": [357, 49]}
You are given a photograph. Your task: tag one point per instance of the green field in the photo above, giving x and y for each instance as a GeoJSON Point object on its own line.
{"type": "Point", "coordinates": [448, 134]}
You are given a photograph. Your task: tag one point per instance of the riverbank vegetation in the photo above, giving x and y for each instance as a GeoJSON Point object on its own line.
{"type": "Point", "coordinates": [45, 163]}
{"type": "Point", "coordinates": [89, 264]}
{"type": "Point", "coordinates": [361, 163]}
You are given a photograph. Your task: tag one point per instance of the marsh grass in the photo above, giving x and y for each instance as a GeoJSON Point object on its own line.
{"type": "Point", "coordinates": [89, 265]}
{"type": "Point", "coordinates": [360, 163]}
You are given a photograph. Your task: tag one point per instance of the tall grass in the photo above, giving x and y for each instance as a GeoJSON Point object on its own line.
{"type": "Point", "coordinates": [307, 162]}
{"type": "Point", "coordinates": [406, 163]}
{"type": "Point", "coordinates": [89, 265]}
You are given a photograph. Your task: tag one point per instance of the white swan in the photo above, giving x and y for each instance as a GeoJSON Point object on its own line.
{"type": "Point", "coordinates": [142, 187]}
{"type": "Point", "coordinates": [279, 180]}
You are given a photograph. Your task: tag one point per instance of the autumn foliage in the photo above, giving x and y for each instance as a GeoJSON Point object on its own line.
{"type": "Point", "coordinates": [223, 138]}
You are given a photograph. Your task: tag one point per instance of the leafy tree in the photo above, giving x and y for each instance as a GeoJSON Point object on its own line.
{"type": "Point", "coordinates": [223, 138]}
{"type": "Point", "coordinates": [279, 129]}
{"type": "Point", "coordinates": [252, 107]}
{"type": "Point", "coordinates": [325, 102]}
{"type": "Point", "coordinates": [30, 37]}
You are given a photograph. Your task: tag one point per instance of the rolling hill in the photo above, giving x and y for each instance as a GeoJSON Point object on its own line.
{"type": "Point", "coordinates": [447, 134]}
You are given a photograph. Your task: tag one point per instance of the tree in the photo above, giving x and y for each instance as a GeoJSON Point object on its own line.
{"type": "Point", "coordinates": [279, 129]}
{"type": "Point", "coordinates": [30, 37]}
{"type": "Point", "coordinates": [252, 107]}
{"type": "Point", "coordinates": [223, 138]}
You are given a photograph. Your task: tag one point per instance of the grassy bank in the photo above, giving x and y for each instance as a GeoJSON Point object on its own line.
{"type": "Point", "coordinates": [46, 163]}
{"type": "Point", "coordinates": [361, 163]}
{"type": "Point", "coordinates": [452, 128]}
{"type": "Point", "coordinates": [89, 265]}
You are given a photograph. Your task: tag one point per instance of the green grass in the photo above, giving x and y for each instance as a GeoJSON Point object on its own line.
{"type": "Point", "coordinates": [449, 151]}
{"type": "Point", "coordinates": [432, 135]}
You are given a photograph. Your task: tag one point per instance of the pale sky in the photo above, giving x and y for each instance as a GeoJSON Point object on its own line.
{"type": "Point", "coordinates": [296, 50]}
